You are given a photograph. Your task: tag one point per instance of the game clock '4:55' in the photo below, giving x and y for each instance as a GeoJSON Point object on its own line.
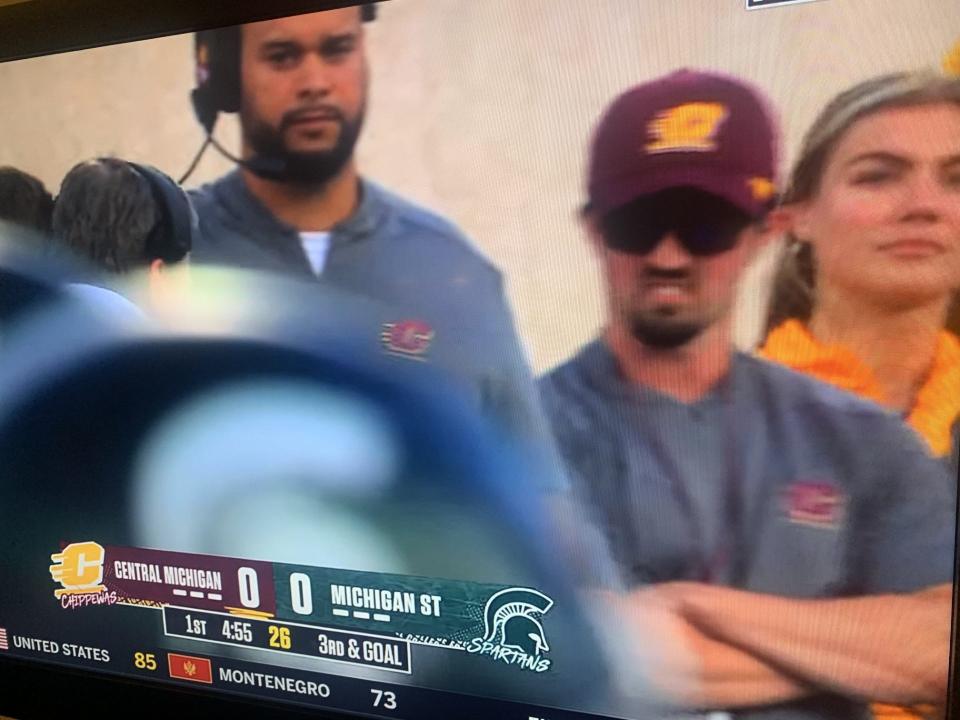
{"type": "Point", "coordinates": [237, 631]}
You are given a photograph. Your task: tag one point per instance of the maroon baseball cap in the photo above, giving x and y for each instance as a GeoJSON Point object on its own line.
{"type": "Point", "coordinates": [688, 128]}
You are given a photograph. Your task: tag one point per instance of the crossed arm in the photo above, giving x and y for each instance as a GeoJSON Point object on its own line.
{"type": "Point", "coordinates": [756, 649]}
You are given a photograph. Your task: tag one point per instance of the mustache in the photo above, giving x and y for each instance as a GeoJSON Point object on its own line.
{"type": "Point", "coordinates": [653, 274]}
{"type": "Point", "coordinates": [294, 116]}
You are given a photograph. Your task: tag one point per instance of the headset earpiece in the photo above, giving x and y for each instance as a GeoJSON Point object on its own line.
{"type": "Point", "coordinates": [173, 235]}
{"type": "Point", "coordinates": [217, 74]}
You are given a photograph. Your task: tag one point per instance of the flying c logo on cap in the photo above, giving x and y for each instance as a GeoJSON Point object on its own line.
{"type": "Point", "coordinates": [689, 127]}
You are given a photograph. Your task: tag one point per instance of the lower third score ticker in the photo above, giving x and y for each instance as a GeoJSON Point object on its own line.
{"type": "Point", "coordinates": [344, 646]}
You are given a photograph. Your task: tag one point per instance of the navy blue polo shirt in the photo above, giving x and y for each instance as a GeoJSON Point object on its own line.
{"type": "Point", "coordinates": [773, 482]}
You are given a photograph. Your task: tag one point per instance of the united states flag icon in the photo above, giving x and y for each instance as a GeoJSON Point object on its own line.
{"type": "Point", "coordinates": [4, 645]}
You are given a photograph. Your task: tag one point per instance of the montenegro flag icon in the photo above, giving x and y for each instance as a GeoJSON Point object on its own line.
{"type": "Point", "coordinates": [187, 667]}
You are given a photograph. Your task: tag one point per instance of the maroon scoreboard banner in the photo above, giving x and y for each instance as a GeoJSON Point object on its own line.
{"type": "Point", "coordinates": [92, 574]}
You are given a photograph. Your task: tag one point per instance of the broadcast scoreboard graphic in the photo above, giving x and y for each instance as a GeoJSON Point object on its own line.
{"type": "Point", "coordinates": [355, 618]}
{"type": "Point", "coordinates": [291, 633]}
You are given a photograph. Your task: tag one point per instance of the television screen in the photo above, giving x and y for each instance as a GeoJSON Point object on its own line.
{"type": "Point", "coordinates": [432, 359]}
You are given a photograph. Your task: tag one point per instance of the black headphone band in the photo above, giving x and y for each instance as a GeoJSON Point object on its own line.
{"type": "Point", "coordinates": [172, 236]}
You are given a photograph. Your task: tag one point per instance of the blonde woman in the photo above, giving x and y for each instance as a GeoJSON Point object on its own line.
{"type": "Point", "coordinates": [869, 281]}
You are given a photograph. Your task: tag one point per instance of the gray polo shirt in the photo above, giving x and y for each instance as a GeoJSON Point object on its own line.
{"type": "Point", "coordinates": [441, 303]}
{"type": "Point", "coordinates": [773, 482]}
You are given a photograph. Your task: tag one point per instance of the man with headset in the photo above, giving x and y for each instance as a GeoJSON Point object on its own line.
{"type": "Point", "coordinates": [124, 218]}
{"type": "Point", "coordinates": [297, 205]}
{"type": "Point", "coordinates": [796, 539]}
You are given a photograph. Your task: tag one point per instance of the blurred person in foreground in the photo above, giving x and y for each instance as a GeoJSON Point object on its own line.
{"type": "Point", "coordinates": [791, 543]}
{"type": "Point", "coordinates": [872, 267]}
{"type": "Point", "coordinates": [24, 200]}
{"type": "Point", "coordinates": [298, 205]}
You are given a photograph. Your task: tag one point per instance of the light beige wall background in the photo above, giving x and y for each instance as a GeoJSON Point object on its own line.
{"type": "Point", "coordinates": [482, 109]}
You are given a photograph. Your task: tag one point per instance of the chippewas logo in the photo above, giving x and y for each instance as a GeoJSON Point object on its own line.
{"type": "Point", "coordinates": [820, 504]}
{"type": "Point", "coordinates": [79, 569]}
{"type": "Point", "coordinates": [691, 127]}
{"type": "Point", "coordinates": [408, 338]}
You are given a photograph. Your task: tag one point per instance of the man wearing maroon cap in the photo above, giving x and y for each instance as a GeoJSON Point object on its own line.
{"type": "Point", "coordinates": [797, 540]}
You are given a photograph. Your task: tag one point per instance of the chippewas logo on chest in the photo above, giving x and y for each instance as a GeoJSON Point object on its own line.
{"type": "Point", "coordinates": [817, 503]}
{"type": "Point", "coordinates": [407, 338]}
{"type": "Point", "coordinates": [691, 127]}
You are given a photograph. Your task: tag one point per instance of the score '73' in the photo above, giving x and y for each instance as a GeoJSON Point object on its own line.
{"type": "Point", "coordinates": [384, 698]}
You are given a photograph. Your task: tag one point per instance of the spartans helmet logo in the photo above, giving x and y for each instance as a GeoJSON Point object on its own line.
{"type": "Point", "coordinates": [512, 620]}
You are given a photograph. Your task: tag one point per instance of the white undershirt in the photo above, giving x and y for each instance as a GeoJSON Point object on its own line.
{"type": "Point", "coordinates": [316, 245]}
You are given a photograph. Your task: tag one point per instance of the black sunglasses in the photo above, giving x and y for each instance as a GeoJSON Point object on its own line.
{"type": "Point", "coordinates": [704, 224]}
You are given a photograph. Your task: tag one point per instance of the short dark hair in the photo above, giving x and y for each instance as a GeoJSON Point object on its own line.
{"type": "Point", "coordinates": [24, 200]}
{"type": "Point", "coordinates": [105, 212]}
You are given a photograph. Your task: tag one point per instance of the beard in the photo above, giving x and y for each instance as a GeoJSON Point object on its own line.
{"type": "Point", "coordinates": [666, 327]}
{"type": "Point", "coordinates": [312, 168]}
{"type": "Point", "coordinates": [663, 332]}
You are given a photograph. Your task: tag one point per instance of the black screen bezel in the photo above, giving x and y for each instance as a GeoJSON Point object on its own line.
{"type": "Point", "coordinates": [44, 27]}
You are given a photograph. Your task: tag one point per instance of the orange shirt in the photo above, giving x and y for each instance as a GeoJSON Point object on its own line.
{"type": "Point", "coordinates": [933, 415]}
{"type": "Point", "coordinates": [937, 406]}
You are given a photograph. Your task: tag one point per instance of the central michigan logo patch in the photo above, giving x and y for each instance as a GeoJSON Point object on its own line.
{"type": "Point", "coordinates": [512, 630]}
{"type": "Point", "coordinates": [814, 503]}
{"type": "Point", "coordinates": [408, 338]}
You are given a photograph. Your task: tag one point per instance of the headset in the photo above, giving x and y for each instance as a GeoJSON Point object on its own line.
{"type": "Point", "coordinates": [172, 237]}
{"type": "Point", "coordinates": [218, 90]}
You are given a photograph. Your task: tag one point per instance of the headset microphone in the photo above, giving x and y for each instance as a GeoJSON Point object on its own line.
{"type": "Point", "coordinates": [265, 166]}
{"type": "Point", "coordinates": [269, 168]}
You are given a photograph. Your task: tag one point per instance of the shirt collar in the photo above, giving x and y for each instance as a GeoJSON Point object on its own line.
{"type": "Point", "coordinates": [602, 372]}
{"type": "Point", "coordinates": [234, 194]}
